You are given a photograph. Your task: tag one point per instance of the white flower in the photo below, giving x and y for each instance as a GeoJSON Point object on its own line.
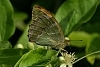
{"type": "Point", "coordinates": [68, 59]}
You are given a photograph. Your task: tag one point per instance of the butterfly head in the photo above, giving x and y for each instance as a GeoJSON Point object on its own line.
{"type": "Point", "coordinates": [63, 45]}
{"type": "Point", "coordinates": [67, 41]}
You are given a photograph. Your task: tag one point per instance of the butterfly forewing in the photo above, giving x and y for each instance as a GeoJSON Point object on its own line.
{"type": "Point", "coordinates": [44, 29]}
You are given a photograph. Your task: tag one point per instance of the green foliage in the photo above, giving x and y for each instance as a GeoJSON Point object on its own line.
{"type": "Point", "coordinates": [36, 58]}
{"type": "Point", "coordinates": [93, 46]}
{"type": "Point", "coordinates": [11, 56]}
{"type": "Point", "coordinates": [70, 15]}
{"type": "Point", "coordinates": [74, 13]}
{"type": "Point", "coordinates": [6, 20]}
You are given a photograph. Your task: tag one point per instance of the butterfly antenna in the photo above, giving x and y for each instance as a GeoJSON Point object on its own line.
{"type": "Point", "coordinates": [75, 32]}
{"type": "Point", "coordinates": [74, 40]}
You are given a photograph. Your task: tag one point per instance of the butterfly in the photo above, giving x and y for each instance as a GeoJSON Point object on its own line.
{"type": "Point", "coordinates": [44, 29]}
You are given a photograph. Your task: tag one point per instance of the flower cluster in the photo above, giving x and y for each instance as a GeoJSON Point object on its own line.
{"type": "Point", "coordinates": [68, 59]}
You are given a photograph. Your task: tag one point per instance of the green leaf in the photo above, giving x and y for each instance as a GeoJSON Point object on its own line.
{"type": "Point", "coordinates": [47, 59]}
{"type": "Point", "coordinates": [72, 14]}
{"type": "Point", "coordinates": [35, 58]}
{"type": "Point", "coordinates": [11, 56]}
{"type": "Point", "coordinates": [6, 22]}
{"type": "Point", "coordinates": [5, 45]}
{"type": "Point", "coordinates": [54, 61]}
{"type": "Point", "coordinates": [93, 46]}
{"type": "Point", "coordinates": [31, 57]}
